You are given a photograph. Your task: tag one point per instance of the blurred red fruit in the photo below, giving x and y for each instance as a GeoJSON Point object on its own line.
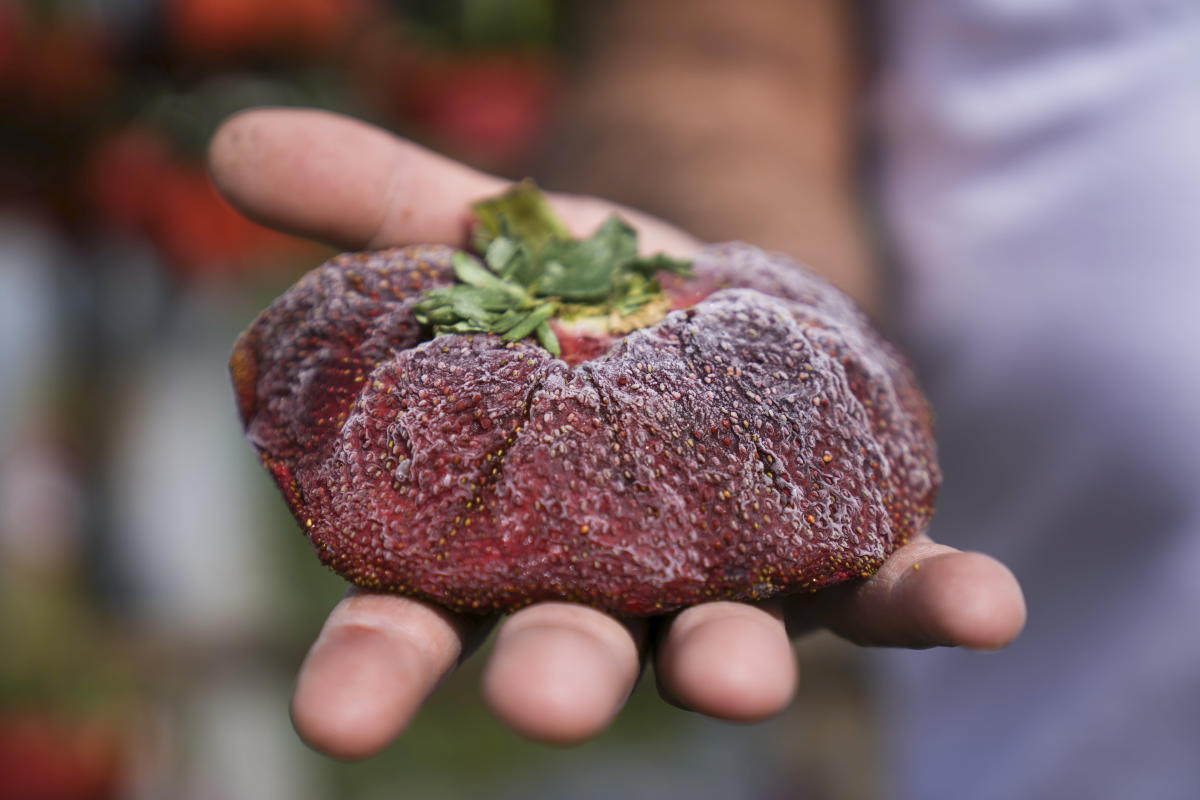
{"type": "Point", "coordinates": [226, 28]}
{"type": "Point", "coordinates": [123, 177]}
{"type": "Point", "coordinates": [60, 66]}
{"type": "Point", "coordinates": [46, 757]}
{"type": "Point", "coordinates": [491, 106]}
{"type": "Point", "coordinates": [11, 26]}
{"type": "Point", "coordinates": [487, 108]}
{"type": "Point", "coordinates": [139, 186]}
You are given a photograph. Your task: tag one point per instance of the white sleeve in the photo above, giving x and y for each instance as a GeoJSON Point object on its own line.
{"type": "Point", "coordinates": [1040, 185]}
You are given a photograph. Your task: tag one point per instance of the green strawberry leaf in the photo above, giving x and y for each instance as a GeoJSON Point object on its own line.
{"type": "Point", "coordinates": [522, 213]}
{"type": "Point", "coordinates": [530, 322]}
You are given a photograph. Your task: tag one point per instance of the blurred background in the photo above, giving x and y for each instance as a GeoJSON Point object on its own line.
{"type": "Point", "coordinates": [155, 597]}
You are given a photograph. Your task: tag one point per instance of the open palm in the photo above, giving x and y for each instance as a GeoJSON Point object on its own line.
{"type": "Point", "coordinates": [559, 672]}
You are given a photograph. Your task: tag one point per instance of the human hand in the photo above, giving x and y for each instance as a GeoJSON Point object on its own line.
{"type": "Point", "coordinates": [559, 672]}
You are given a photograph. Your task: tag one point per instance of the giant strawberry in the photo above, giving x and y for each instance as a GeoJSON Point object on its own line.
{"type": "Point", "coordinates": [566, 420]}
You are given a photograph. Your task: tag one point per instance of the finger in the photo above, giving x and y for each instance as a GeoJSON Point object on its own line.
{"type": "Point", "coordinates": [560, 672]}
{"type": "Point", "coordinates": [924, 595]}
{"type": "Point", "coordinates": [728, 660]}
{"type": "Point", "coordinates": [334, 178]}
{"type": "Point", "coordinates": [373, 664]}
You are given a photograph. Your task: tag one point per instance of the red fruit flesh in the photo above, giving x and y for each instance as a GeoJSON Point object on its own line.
{"type": "Point", "coordinates": [762, 439]}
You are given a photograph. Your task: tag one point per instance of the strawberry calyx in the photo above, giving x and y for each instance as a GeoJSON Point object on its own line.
{"type": "Point", "coordinates": [534, 272]}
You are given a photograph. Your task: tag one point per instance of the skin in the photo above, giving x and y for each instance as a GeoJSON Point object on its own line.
{"type": "Point", "coordinates": [559, 673]}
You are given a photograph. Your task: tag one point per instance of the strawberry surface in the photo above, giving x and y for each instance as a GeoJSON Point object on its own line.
{"type": "Point", "coordinates": [758, 438]}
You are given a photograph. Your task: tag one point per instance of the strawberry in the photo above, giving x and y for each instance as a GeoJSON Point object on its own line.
{"type": "Point", "coordinates": [566, 420]}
